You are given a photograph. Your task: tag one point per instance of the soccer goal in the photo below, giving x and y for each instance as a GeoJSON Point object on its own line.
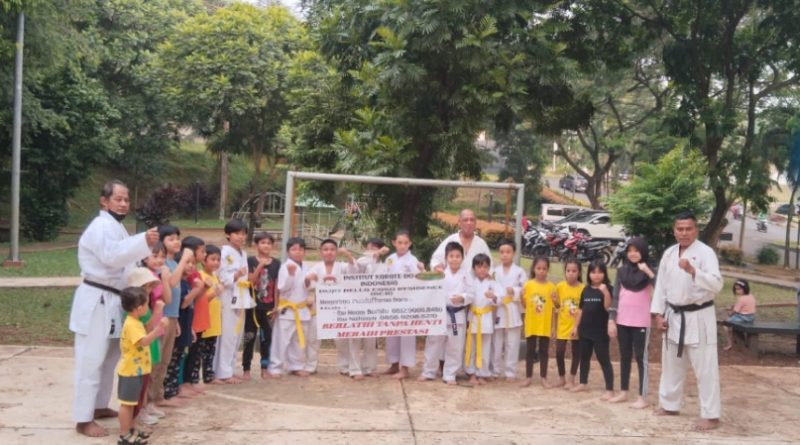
{"type": "Point", "coordinates": [293, 176]}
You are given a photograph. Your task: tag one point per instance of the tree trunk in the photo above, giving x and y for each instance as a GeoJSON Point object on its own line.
{"type": "Point", "coordinates": [593, 191]}
{"type": "Point", "coordinates": [787, 245]}
{"type": "Point", "coordinates": [714, 228]}
{"type": "Point", "coordinates": [741, 226]}
{"type": "Point", "coordinates": [223, 184]}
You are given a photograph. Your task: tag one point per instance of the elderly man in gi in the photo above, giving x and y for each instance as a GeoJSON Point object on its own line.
{"type": "Point", "coordinates": [105, 254]}
{"type": "Point", "coordinates": [471, 242]}
{"type": "Point", "coordinates": [683, 305]}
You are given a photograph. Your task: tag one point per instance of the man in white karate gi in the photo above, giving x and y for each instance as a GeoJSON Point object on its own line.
{"type": "Point", "coordinates": [469, 240]}
{"type": "Point", "coordinates": [683, 306]}
{"type": "Point", "coordinates": [105, 255]}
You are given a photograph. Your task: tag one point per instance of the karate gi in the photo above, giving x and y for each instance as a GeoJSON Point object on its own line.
{"type": "Point", "coordinates": [338, 269]}
{"type": "Point", "coordinates": [450, 345]}
{"type": "Point", "coordinates": [481, 327]}
{"type": "Point", "coordinates": [402, 350]}
{"type": "Point", "coordinates": [477, 246]}
{"type": "Point", "coordinates": [106, 253]}
{"type": "Point", "coordinates": [235, 298]}
{"type": "Point", "coordinates": [508, 322]}
{"type": "Point", "coordinates": [676, 288]}
{"type": "Point", "coordinates": [363, 352]}
{"type": "Point", "coordinates": [293, 313]}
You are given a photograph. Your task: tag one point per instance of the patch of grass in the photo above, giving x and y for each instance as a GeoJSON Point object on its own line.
{"type": "Point", "coordinates": [35, 316]}
{"type": "Point", "coordinates": [53, 263]}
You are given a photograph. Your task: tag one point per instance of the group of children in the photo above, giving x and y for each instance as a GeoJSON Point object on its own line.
{"type": "Point", "coordinates": [190, 305]}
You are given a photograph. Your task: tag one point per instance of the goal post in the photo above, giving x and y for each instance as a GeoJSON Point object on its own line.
{"type": "Point", "coordinates": [293, 176]}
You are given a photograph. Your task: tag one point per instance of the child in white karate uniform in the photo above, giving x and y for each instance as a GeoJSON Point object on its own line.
{"type": "Point", "coordinates": [486, 294]}
{"type": "Point", "coordinates": [401, 352]}
{"type": "Point", "coordinates": [289, 340]}
{"type": "Point", "coordinates": [508, 321]}
{"type": "Point", "coordinates": [456, 287]}
{"type": "Point", "coordinates": [329, 271]}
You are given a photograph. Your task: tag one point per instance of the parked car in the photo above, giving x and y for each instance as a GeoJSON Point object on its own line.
{"type": "Point", "coordinates": [573, 183]}
{"type": "Point", "coordinates": [624, 176]}
{"type": "Point", "coordinates": [783, 209]}
{"type": "Point", "coordinates": [555, 212]}
{"type": "Point", "coordinates": [599, 226]}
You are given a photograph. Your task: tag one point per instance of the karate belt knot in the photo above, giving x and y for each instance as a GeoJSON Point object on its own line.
{"type": "Point", "coordinates": [295, 307]}
{"type": "Point", "coordinates": [680, 310]}
{"type": "Point", "coordinates": [242, 285]}
{"type": "Point", "coordinates": [452, 311]}
{"type": "Point", "coordinates": [478, 312]}
{"type": "Point", "coordinates": [506, 301]}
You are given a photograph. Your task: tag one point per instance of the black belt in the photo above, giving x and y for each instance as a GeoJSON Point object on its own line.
{"type": "Point", "coordinates": [101, 286]}
{"type": "Point", "coordinates": [453, 311]}
{"type": "Point", "coordinates": [681, 310]}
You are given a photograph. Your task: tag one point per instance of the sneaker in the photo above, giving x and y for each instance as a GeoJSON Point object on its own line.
{"type": "Point", "coordinates": [148, 419]}
{"type": "Point", "coordinates": [154, 411]}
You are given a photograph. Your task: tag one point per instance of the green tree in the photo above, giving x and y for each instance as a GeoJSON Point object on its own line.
{"type": "Point", "coordinates": [649, 203]}
{"type": "Point", "coordinates": [525, 157]}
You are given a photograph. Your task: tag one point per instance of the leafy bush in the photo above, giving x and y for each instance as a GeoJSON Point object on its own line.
{"type": "Point", "coordinates": [731, 255]}
{"type": "Point", "coordinates": [768, 255]}
{"type": "Point", "coordinates": [160, 206]}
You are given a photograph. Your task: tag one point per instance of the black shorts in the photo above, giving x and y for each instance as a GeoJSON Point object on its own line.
{"type": "Point", "coordinates": [128, 390]}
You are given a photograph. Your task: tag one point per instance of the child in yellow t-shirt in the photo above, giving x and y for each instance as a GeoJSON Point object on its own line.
{"type": "Point", "coordinates": [538, 297]}
{"type": "Point", "coordinates": [208, 339]}
{"type": "Point", "coordinates": [569, 296]}
{"type": "Point", "coordinates": [135, 362]}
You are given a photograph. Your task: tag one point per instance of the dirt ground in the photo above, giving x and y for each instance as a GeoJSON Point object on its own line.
{"type": "Point", "coordinates": [760, 405]}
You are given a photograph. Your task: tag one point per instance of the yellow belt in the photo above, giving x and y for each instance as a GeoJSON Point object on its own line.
{"type": "Point", "coordinates": [246, 285]}
{"type": "Point", "coordinates": [478, 315]}
{"type": "Point", "coordinates": [295, 307]}
{"type": "Point", "coordinates": [506, 301]}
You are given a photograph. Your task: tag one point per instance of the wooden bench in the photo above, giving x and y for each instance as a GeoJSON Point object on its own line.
{"type": "Point", "coordinates": [749, 332]}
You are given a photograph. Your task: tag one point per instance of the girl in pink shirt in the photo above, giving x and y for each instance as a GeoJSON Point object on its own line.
{"type": "Point", "coordinates": [629, 317]}
{"type": "Point", "coordinates": [744, 311]}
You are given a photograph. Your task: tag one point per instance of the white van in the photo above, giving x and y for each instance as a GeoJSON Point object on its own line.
{"type": "Point", "coordinates": [554, 212]}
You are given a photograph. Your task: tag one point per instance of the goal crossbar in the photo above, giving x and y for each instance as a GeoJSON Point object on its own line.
{"type": "Point", "coordinates": [293, 176]}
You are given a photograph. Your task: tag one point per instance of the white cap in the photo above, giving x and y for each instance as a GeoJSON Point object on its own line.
{"type": "Point", "coordinates": [141, 276]}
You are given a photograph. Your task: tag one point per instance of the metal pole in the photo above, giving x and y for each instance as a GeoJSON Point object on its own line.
{"type": "Point", "coordinates": [288, 210]}
{"type": "Point", "coordinates": [518, 224]}
{"type": "Point", "coordinates": [16, 151]}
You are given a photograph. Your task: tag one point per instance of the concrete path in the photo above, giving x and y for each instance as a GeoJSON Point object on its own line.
{"type": "Point", "coordinates": [760, 406]}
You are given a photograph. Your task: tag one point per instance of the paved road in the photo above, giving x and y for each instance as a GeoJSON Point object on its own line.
{"type": "Point", "coordinates": [753, 239]}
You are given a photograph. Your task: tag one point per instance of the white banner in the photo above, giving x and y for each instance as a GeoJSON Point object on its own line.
{"type": "Point", "coordinates": [381, 305]}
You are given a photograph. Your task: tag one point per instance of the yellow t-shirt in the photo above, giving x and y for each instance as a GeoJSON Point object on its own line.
{"type": "Point", "coordinates": [135, 359]}
{"type": "Point", "coordinates": [568, 298]}
{"type": "Point", "coordinates": [214, 309]}
{"type": "Point", "coordinates": [538, 299]}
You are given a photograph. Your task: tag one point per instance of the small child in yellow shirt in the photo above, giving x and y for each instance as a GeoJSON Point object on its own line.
{"type": "Point", "coordinates": [538, 297]}
{"type": "Point", "coordinates": [569, 296]}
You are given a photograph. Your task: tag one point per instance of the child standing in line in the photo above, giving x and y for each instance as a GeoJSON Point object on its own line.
{"type": "Point", "coordinates": [401, 352]}
{"type": "Point", "coordinates": [192, 289]}
{"type": "Point", "coordinates": [569, 298]}
{"type": "Point", "coordinates": [135, 361]}
{"type": "Point", "coordinates": [629, 317]}
{"type": "Point", "coordinates": [289, 345]}
{"type": "Point", "coordinates": [160, 295]}
{"type": "Point", "coordinates": [592, 326]}
{"type": "Point", "coordinates": [329, 271]}
{"type": "Point", "coordinates": [485, 295]}
{"type": "Point", "coordinates": [258, 321]}
{"type": "Point", "coordinates": [743, 311]}
{"type": "Point", "coordinates": [508, 321]}
{"type": "Point", "coordinates": [456, 287]}
{"type": "Point", "coordinates": [538, 297]}
{"type": "Point", "coordinates": [235, 299]}
{"type": "Point", "coordinates": [208, 338]}
{"type": "Point", "coordinates": [363, 352]}
{"type": "Point", "coordinates": [170, 236]}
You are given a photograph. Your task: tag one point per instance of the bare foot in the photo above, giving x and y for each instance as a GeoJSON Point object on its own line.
{"type": "Point", "coordinates": [105, 413]}
{"type": "Point", "coordinates": [246, 376]}
{"type": "Point", "coordinates": [662, 412]}
{"type": "Point", "coordinates": [400, 375]}
{"type": "Point", "coordinates": [264, 374]}
{"type": "Point", "coordinates": [371, 375]}
{"type": "Point", "coordinates": [231, 381]}
{"type": "Point", "coordinates": [185, 395]}
{"type": "Point", "coordinates": [199, 388]}
{"type": "Point", "coordinates": [727, 348]}
{"type": "Point", "coordinates": [483, 380]}
{"type": "Point", "coordinates": [511, 379]}
{"type": "Point", "coordinates": [579, 388]}
{"type": "Point", "coordinates": [473, 380]}
{"type": "Point", "coordinates": [422, 378]}
{"type": "Point", "coordinates": [300, 373]}
{"type": "Point", "coordinates": [394, 369]}
{"type": "Point", "coordinates": [706, 424]}
{"type": "Point", "coordinates": [561, 382]}
{"type": "Point", "coordinates": [169, 403]}
{"type": "Point", "coordinates": [358, 377]}
{"type": "Point", "coordinates": [608, 395]}
{"type": "Point", "coordinates": [526, 383]}
{"type": "Point", "coordinates": [546, 384]}
{"type": "Point", "coordinates": [569, 385]}
{"type": "Point", "coordinates": [275, 376]}
{"type": "Point", "coordinates": [235, 380]}
{"type": "Point", "coordinates": [639, 403]}
{"type": "Point", "coordinates": [621, 397]}
{"type": "Point", "coordinates": [218, 382]}
{"type": "Point", "coordinates": [91, 429]}
{"type": "Point", "coordinates": [451, 383]}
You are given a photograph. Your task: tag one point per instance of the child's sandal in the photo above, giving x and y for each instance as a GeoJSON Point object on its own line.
{"type": "Point", "coordinates": [131, 439]}
{"type": "Point", "coordinates": [144, 435]}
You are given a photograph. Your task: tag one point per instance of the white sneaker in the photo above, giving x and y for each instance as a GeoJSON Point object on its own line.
{"type": "Point", "coordinates": [148, 419]}
{"type": "Point", "coordinates": [154, 411]}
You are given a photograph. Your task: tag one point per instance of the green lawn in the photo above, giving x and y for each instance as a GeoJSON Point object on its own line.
{"type": "Point", "coordinates": [35, 316]}
{"type": "Point", "coordinates": [62, 262]}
